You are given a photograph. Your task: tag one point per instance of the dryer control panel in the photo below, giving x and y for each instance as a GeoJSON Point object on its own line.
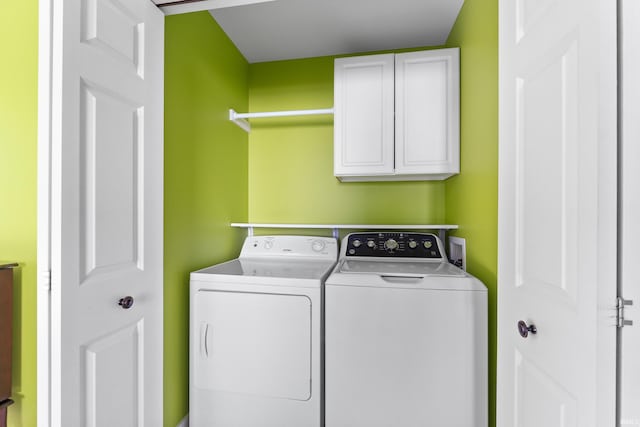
{"type": "Point", "coordinates": [307, 247]}
{"type": "Point", "coordinates": [393, 244]}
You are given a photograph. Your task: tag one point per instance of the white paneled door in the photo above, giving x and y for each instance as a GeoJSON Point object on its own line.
{"type": "Point", "coordinates": [105, 150]}
{"type": "Point", "coordinates": [557, 213]}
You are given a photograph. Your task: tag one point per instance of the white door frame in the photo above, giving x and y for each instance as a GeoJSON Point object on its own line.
{"type": "Point", "coordinates": [629, 205]}
{"type": "Point", "coordinates": [43, 312]}
{"type": "Point", "coordinates": [173, 8]}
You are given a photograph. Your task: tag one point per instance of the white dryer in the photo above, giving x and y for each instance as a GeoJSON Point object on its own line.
{"type": "Point", "coordinates": [405, 336]}
{"type": "Point", "coordinates": [255, 340]}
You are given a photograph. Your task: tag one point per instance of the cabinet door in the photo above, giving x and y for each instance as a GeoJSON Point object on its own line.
{"type": "Point", "coordinates": [363, 120]}
{"type": "Point", "coordinates": [427, 113]}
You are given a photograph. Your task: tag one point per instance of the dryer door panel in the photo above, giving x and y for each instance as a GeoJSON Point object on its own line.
{"type": "Point", "coordinates": [253, 343]}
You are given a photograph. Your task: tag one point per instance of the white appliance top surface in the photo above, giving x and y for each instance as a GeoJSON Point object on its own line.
{"type": "Point", "coordinates": [400, 268]}
{"type": "Point", "coordinates": [274, 268]}
{"type": "Point", "coordinates": [286, 257]}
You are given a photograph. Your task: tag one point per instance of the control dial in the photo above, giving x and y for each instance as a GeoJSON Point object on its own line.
{"type": "Point", "coordinates": [356, 243]}
{"type": "Point", "coordinates": [371, 244]}
{"type": "Point", "coordinates": [413, 244]}
{"type": "Point", "coordinates": [391, 245]}
{"type": "Point", "coordinates": [427, 244]}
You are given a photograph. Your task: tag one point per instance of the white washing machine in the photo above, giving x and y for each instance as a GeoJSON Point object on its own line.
{"type": "Point", "coordinates": [255, 341]}
{"type": "Point", "coordinates": [405, 336]}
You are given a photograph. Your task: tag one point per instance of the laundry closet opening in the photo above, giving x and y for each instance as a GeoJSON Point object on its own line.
{"type": "Point", "coordinates": [282, 172]}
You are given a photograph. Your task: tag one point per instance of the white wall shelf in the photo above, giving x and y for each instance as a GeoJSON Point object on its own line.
{"type": "Point", "coordinates": [240, 119]}
{"type": "Point", "coordinates": [442, 228]}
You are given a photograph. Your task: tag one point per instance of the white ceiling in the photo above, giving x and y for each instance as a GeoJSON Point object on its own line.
{"type": "Point", "coordinates": [290, 29]}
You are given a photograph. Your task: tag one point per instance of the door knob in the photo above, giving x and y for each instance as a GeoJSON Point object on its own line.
{"type": "Point", "coordinates": [126, 302]}
{"type": "Point", "coordinates": [524, 330]}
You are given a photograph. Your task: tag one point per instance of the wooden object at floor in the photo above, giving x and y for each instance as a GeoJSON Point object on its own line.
{"type": "Point", "coordinates": [6, 324]}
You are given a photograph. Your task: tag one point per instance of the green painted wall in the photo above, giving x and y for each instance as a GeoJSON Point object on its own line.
{"type": "Point", "coordinates": [472, 197]}
{"type": "Point", "coordinates": [291, 159]}
{"type": "Point", "coordinates": [18, 166]}
{"type": "Point", "coordinates": [205, 176]}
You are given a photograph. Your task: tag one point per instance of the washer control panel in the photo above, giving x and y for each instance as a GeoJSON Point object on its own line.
{"type": "Point", "coordinates": [393, 244]}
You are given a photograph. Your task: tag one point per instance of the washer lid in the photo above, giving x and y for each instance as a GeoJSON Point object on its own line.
{"type": "Point", "coordinates": [400, 268]}
{"type": "Point", "coordinates": [277, 268]}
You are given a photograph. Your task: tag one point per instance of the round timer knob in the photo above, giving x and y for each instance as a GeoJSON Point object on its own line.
{"type": "Point", "coordinates": [427, 244]}
{"type": "Point", "coordinates": [371, 243]}
{"type": "Point", "coordinates": [318, 245]}
{"type": "Point", "coordinates": [356, 243]}
{"type": "Point", "coordinates": [413, 244]}
{"type": "Point", "coordinates": [391, 244]}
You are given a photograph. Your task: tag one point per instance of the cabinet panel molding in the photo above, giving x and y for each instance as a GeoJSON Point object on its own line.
{"type": "Point", "coordinates": [363, 115]}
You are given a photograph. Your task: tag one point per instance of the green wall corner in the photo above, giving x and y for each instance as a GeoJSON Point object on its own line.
{"type": "Point", "coordinates": [471, 198]}
{"type": "Point", "coordinates": [205, 177]}
{"type": "Point", "coordinates": [18, 177]}
{"type": "Point", "coordinates": [291, 159]}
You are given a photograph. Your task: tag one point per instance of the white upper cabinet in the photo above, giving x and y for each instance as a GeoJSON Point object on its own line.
{"type": "Point", "coordinates": [397, 116]}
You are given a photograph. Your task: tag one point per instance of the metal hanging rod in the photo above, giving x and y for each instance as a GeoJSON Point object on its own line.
{"type": "Point", "coordinates": [240, 118]}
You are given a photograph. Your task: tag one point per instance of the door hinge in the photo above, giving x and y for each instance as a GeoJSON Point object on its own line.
{"type": "Point", "coordinates": [621, 322]}
{"type": "Point", "coordinates": [45, 280]}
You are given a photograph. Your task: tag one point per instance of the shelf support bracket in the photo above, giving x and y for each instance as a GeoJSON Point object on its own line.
{"type": "Point", "coordinates": [233, 116]}
{"type": "Point", "coordinates": [336, 233]}
{"type": "Point", "coordinates": [442, 234]}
